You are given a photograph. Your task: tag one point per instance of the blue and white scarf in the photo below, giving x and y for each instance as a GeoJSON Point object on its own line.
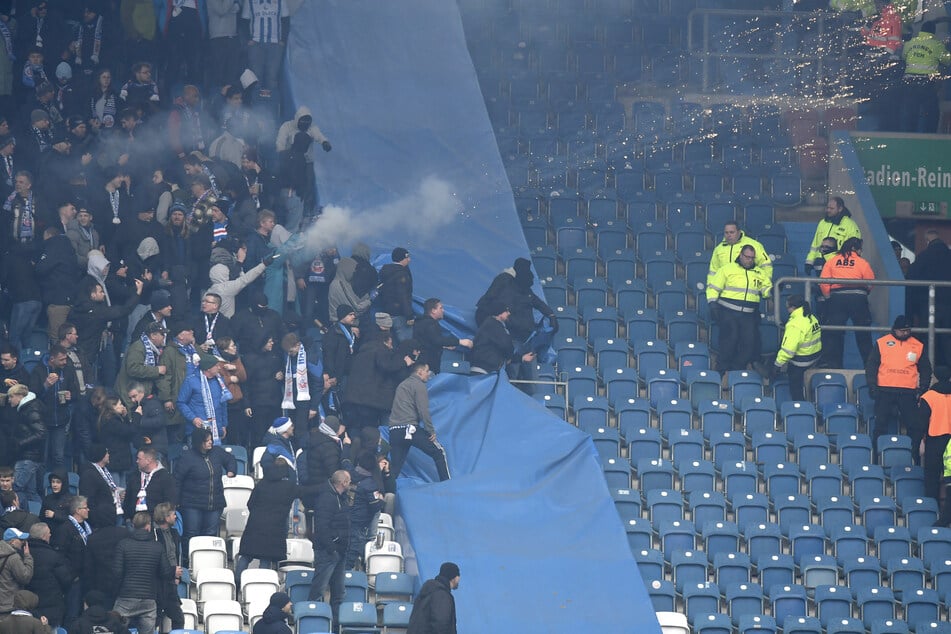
{"type": "Point", "coordinates": [151, 352]}
{"type": "Point", "coordinates": [211, 419]}
{"type": "Point", "coordinates": [83, 529]}
{"type": "Point", "coordinates": [296, 375]}
{"type": "Point", "coordinates": [7, 40]}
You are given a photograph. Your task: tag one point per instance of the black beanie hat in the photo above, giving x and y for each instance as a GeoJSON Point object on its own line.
{"type": "Point", "coordinates": [279, 600]}
{"type": "Point", "coordinates": [96, 452]}
{"type": "Point", "coordinates": [343, 310]}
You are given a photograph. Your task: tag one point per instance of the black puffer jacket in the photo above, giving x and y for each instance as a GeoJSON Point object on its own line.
{"type": "Point", "coordinates": [198, 476]}
{"type": "Point", "coordinates": [332, 519]}
{"type": "Point", "coordinates": [323, 456]}
{"type": "Point", "coordinates": [30, 431]}
{"type": "Point", "coordinates": [434, 610]}
{"type": "Point", "coordinates": [141, 566]}
{"type": "Point", "coordinates": [374, 374]}
{"type": "Point", "coordinates": [274, 621]}
{"type": "Point", "coordinates": [269, 504]}
{"type": "Point", "coordinates": [52, 577]}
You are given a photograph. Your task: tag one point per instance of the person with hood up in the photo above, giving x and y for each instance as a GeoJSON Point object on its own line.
{"type": "Point", "coordinates": [250, 324]}
{"type": "Point", "coordinates": [200, 491]}
{"type": "Point", "coordinates": [96, 618]}
{"type": "Point", "coordinates": [21, 620]}
{"type": "Point", "coordinates": [269, 505]}
{"type": "Point", "coordinates": [264, 387]}
{"type": "Point", "coordinates": [837, 224]}
{"type": "Point", "coordinates": [93, 311]}
{"type": "Point", "coordinates": [227, 288]}
{"type": "Point", "coordinates": [434, 610]}
{"type": "Point", "coordinates": [29, 436]}
{"type": "Point", "coordinates": [343, 293]}
{"type": "Point", "coordinates": [55, 508]}
{"type": "Point", "coordinates": [274, 620]}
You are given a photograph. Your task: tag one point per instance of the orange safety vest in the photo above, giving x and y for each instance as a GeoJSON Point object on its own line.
{"type": "Point", "coordinates": [899, 366]}
{"type": "Point", "coordinates": [852, 267]}
{"type": "Point", "coordinates": [940, 404]}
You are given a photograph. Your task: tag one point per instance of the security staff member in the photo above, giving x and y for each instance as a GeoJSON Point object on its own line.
{"type": "Point", "coordinates": [801, 346]}
{"type": "Point", "coordinates": [935, 407]}
{"type": "Point", "coordinates": [924, 55]}
{"type": "Point", "coordinates": [897, 371]}
{"type": "Point", "coordinates": [837, 224]}
{"type": "Point", "coordinates": [727, 251]}
{"type": "Point", "coordinates": [734, 295]}
{"type": "Point", "coordinates": [846, 301]}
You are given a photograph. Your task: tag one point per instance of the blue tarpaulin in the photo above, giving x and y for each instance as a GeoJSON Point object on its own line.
{"type": "Point", "coordinates": [527, 514]}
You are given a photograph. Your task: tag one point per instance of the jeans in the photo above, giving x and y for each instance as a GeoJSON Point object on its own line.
{"type": "Point", "coordinates": [328, 571]}
{"type": "Point", "coordinates": [243, 562]}
{"type": "Point", "coordinates": [23, 318]}
{"type": "Point", "coordinates": [56, 444]}
{"type": "Point", "coordinates": [25, 476]}
{"type": "Point", "coordinates": [140, 613]}
{"type": "Point", "coordinates": [359, 536]}
{"type": "Point", "coordinates": [198, 522]}
{"type": "Point", "coordinates": [265, 62]}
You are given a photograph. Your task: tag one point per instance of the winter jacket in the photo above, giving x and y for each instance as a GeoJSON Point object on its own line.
{"type": "Point", "coordinates": [95, 620]}
{"type": "Point", "coordinates": [289, 129]}
{"type": "Point", "coordinates": [431, 339]}
{"type": "Point", "coordinates": [90, 319]}
{"type": "Point", "coordinates": [150, 424]}
{"type": "Point", "coordinates": [253, 325]}
{"type": "Point", "coordinates": [198, 476]}
{"type": "Point", "coordinates": [24, 624]}
{"type": "Point", "coordinates": [58, 270]}
{"type": "Point", "coordinates": [396, 290]}
{"type": "Point", "coordinates": [161, 488]}
{"type": "Point", "coordinates": [337, 354]}
{"type": "Point", "coordinates": [434, 609]}
{"type": "Point", "coordinates": [141, 566]}
{"type": "Point", "coordinates": [342, 290]}
{"type": "Point", "coordinates": [58, 415]}
{"type": "Point", "coordinates": [102, 507]}
{"type": "Point", "coordinates": [492, 347]}
{"type": "Point", "coordinates": [134, 370]}
{"type": "Point", "coordinates": [117, 434]}
{"type": "Point", "coordinates": [522, 302]}
{"type": "Point", "coordinates": [268, 506]}
{"type": "Point", "coordinates": [366, 504]}
{"type": "Point", "coordinates": [30, 431]}
{"type": "Point", "coordinates": [274, 621]}
{"type": "Point", "coordinates": [82, 242]}
{"type": "Point", "coordinates": [52, 577]}
{"type": "Point", "coordinates": [365, 277]}
{"type": "Point", "coordinates": [323, 456]}
{"type": "Point", "coordinates": [192, 405]}
{"type": "Point", "coordinates": [228, 289]}
{"type": "Point", "coordinates": [374, 374]}
{"type": "Point", "coordinates": [332, 519]}
{"type": "Point", "coordinates": [101, 557]}
{"type": "Point", "coordinates": [262, 390]}
{"type": "Point", "coordinates": [16, 570]}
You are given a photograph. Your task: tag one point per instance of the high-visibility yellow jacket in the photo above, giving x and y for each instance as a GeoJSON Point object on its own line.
{"type": "Point", "coordinates": [924, 55]}
{"type": "Point", "coordinates": [724, 254]}
{"type": "Point", "coordinates": [802, 340]}
{"type": "Point", "coordinates": [739, 289]}
{"type": "Point", "coordinates": [842, 230]}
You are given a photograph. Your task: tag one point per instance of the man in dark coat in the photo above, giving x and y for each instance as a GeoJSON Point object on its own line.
{"type": "Point", "coordinates": [140, 566]}
{"type": "Point", "coordinates": [29, 437]}
{"type": "Point", "coordinates": [274, 620]}
{"type": "Point", "coordinates": [151, 485]}
{"type": "Point", "coordinates": [91, 314]}
{"type": "Point", "coordinates": [250, 324]}
{"type": "Point", "coordinates": [332, 537]}
{"type": "Point", "coordinates": [431, 337]}
{"type": "Point", "coordinates": [58, 272]}
{"type": "Point", "coordinates": [326, 452]}
{"type": "Point", "coordinates": [396, 293]}
{"type": "Point", "coordinates": [100, 560]}
{"type": "Point", "coordinates": [55, 383]}
{"type": "Point", "coordinates": [493, 346]}
{"type": "Point", "coordinates": [100, 490]}
{"type": "Point", "coordinates": [434, 610]}
{"type": "Point", "coordinates": [934, 263]}
{"type": "Point", "coordinates": [52, 576]}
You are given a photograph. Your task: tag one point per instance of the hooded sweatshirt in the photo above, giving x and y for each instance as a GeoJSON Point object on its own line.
{"type": "Point", "coordinates": [285, 134]}
{"type": "Point", "coordinates": [342, 291]}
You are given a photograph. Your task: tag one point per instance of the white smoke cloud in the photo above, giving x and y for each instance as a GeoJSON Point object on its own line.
{"type": "Point", "coordinates": [432, 206]}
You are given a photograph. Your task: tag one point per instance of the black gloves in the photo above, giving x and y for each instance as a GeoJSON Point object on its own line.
{"type": "Point", "coordinates": [326, 145]}
{"type": "Point", "coordinates": [269, 260]}
{"type": "Point", "coordinates": [553, 322]}
{"type": "Point", "coordinates": [714, 310]}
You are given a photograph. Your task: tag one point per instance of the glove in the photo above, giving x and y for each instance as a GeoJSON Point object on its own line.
{"type": "Point", "coordinates": [326, 145]}
{"type": "Point", "coordinates": [553, 322]}
{"type": "Point", "coordinates": [269, 260]}
{"type": "Point", "coordinates": [714, 311]}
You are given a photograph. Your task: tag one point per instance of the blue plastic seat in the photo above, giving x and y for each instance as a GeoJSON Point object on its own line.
{"type": "Point", "coordinates": [706, 506]}
{"type": "Point", "coordinates": [833, 603]}
{"type": "Point", "coordinates": [659, 266]}
{"type": "Point", "coordinates": [682, 327]}
{"type": "Point", "coordinates": [644, 444]}
{"type": "Point", "coordinates": [652, 238]}
{"type": "Point", "coordinates": [811, 449]}
{"type": "Point", "coordinates": [602, 210]}
{"type": "Point", "coordinates": [739, 477]}
{"type": "Point", "coordinates": [676, 536]}
{"type": "Point", "coordinates": [297, 585]}
{"type": "Point", "coordinates": [855, 451]}
{"type": "Point", "coordinates": [919, 512]}
{"type": "Point", "coordinates": [664, 505]}
{"type": "Point", "coordinates": [663, 387]}
{"type": "Point", "coordinates": [894, 451]}
{"type": "Point", "coordinates": [763, 541]}
{"type": "Point", "coordinates": [720, 537]}
{"type": "Point", "coordinates": [905, 575]}
{"type": "Point", "coordinates": [582, 380]}
{"type": "Point", "coordinates": [689, 567]}
{"type": "Point", "coordinates": [607, 441]}
{"type": "Point", "coordinates": [849, 541]}
{"type": "Point", "coordinates": [728, 447]}
{"type": "Point", "coordinates": [893, 542]}
{"type": "Point", "coordinates": [750, 508]}
{"type": "Point", "coordinates": [828, 388]}
{"type": "Point", "coordinates": [934, 543]}
{"type": "Point", "coordinates": [712, 623]}
{"type": "Point", "coordinates": [686, 448]}
{"type": "Point", "coordinates": [651, 355]}
{"type": "Point", "coordinates": [703, 386]}
{"type": "Point", "coordinates": [841, 419]}
{"type": "Point", "coordinates": [617, 473]}
{"type": "Point", "coordinates": [591, 413]}
{"type": "Point", "coordinates": [759, 414]}
{"type": "Point", "coordinates": [932, 627]}
{"type": "Point", "coordinates": [862, 572]}
{"type": "Point", "coordinates": [590, 292]}
{"type": "Point", "coordinates": [622, 385]}
{"type": "Point", "coordinates": [650, 563]}
{"type": "Point", "coordinates": [670, 296]}
{"type": "Point", "coordinates": [878, 511]}
{"type": "Point", "coordinates": [313, 616]}
{"type": "Point", "coordinates": [732, 568]}
{"type": "Point", "coordinates": [824, 480]}
{"type": "Point", "coordinates": [555, 289]}
{"type": "Point", "coordinates": [792, 510]}
{"type": "Point", "coordinates": [834, 511]}
{"type": "Point", "coordinates": [357, 586]}
{"type": "Point", "coordinates": [801, 625]}
{"type": "Point", "coordinates": [744, 599]}
{"type": "Point", "coordinates": [579, 261]}
{"type": "Point", "coordinates": [663, 595]}
{"type": "Point", "coordinates": [643, 324]}
{"type": "Point", "coordinates": [806, 540]}
{"type": "Point", "coordinates": [769, 447]}
{"type": "Point", "coordinates": [875, 603]}
{"type": "Point", "coordinates": [743, 384]}
{"type": "Point", "coordinates": [799, 417]}
{"type": "Point", "coordinates": [639, 534]}
{"type": "Point", "coordinates": [819, 570]}
{"type": "Point", "coordinates": [788, 600]}
{"type": "Point", "coordinates": [782, 480]}
{"type": "Point", "coordinates": [654, 474]}
{"type": "Point", "coordinates": [600, 322]}
{"type": "Point", "coordinates": [907, 481]}
{"type": "Point", "coordinates": [693, 356]}
{"type": "Point", "coordinates": [940, 571]}
{"type": "Point", "coordinates": [701, 600]}
{"type": "Point", "coordinates": [756, 624]}
{"type": "Point", "coordinates": [716, 417]}
{"type": "Point", "coordinates": [674, 414]}
{"type": "Point", "coordinates": [627, 502]}
{"type": "Point", "coordinates": [631, 296]}
{"type": "Point", "coordinates": [846, 626]}
{"type": "Point", "coordinates": [867, 481]}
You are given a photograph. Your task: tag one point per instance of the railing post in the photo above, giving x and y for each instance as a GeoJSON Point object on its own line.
{"type": "Point", "coordinates": [931, 322]}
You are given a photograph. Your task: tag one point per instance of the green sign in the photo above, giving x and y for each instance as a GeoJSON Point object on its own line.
{"type": "Point", "coordinates": [909, 175]}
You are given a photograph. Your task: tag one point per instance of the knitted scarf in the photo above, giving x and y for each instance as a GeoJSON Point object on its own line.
{"type": "Point", "coordinates": [211, 420]}
{"type": "Point", "coordinates": [83, 529]}
{"type": "Point", "coordinates": [7, 40]}
{"type": "Point", "coordinates": [211, 178]}
{"type": "Point", "coordinates": [96, 32]}
{"type": "Point", "coordinates": [151, 352]}
{"type": "Point", "coordinates": [296, 375]}
{"type": "Point", "coordinates": [327, 431]}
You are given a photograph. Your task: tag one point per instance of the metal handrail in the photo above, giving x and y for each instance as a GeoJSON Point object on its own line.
{"type": "Point", "coordinates": [931, 329]}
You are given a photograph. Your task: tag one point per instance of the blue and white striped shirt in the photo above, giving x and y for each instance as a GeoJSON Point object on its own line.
{"type": "Point", "coordinates": [265, 18]}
